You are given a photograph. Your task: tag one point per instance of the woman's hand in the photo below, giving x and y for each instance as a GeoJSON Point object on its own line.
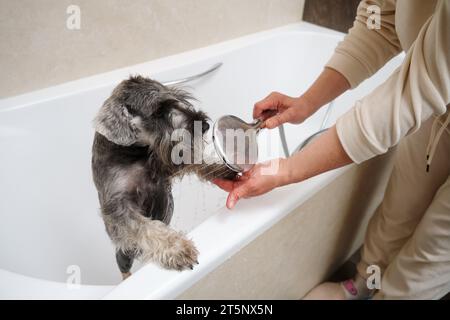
{"type": "Point", "coordinates": [278, 108]}
{"type": "Point", "coordinates": [323, 154]}
{"type": "Point", "coordinates": [262, 178]}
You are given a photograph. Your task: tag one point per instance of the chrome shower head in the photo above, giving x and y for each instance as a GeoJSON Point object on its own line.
{"type": "Point", "coordinates": [235, 142]}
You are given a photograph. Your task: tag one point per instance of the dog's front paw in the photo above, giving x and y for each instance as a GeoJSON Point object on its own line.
{"type": "Point", "coordinates": [181, 254]}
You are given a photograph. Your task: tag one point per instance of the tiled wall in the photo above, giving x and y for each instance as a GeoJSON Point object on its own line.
{"type": "Point", "coordinates": [336, 14]}
{"type": "Point", "coordinates": [37, 50]}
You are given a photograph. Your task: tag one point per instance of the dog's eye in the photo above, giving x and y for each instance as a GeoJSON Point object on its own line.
{"type": "Point", "coordinates": [180, 154]}
{"type": "Point", "coordinates": [159, 113]}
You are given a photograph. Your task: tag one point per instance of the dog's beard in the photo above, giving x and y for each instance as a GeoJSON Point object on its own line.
{"type": "Point", "coordinates": [213, 166]}
{"type": "Point", "coordinates": [208, 166]}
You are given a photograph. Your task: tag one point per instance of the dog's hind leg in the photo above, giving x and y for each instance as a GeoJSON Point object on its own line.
{"type": "Point", "coordinates": [150, 240]}
{"type": "Point", "coordinates": [159, 243]}
{"type": "Point", "coordinates": [125, 262]}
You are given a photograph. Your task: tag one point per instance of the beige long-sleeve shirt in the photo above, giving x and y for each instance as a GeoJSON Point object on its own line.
{"type": "Point", "coordinates": [417, 90]}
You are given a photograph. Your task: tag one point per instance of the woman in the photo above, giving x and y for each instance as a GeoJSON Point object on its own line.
{"type": "Point", "coordinates": [409, 234]}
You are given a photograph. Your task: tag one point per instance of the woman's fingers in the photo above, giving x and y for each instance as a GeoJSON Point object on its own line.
{"type": "Point", "coordinates": [264, 112]}
{"type": "Point", "coordinates": [269, 103]}
{"type": "Point", "coordinates": [229, 185]}
{"type": "Point", "coordinates": [245, 176]}
{"type": "Point", "coordinates": [224, 184]}
{"type": "Point", "coordinates": [231, 200]}
{"type": "Point", "coordinates": [275, 110]}
{"type": "Point", "coordinates": [237, 193]}
{"type": "Point", "coordinates": [279, 119]}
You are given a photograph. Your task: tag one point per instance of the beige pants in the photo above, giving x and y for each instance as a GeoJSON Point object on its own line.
{"type": "Point", "coordinates": [409, 235]}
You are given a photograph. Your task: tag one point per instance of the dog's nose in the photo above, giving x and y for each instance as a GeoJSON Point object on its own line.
{"type": "Point", "coordinates": [205, 126]}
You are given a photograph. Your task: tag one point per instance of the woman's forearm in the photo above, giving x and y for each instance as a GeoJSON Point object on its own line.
{"type": "Point", "coordinates": [326, 152]}
{"type": "Point", "coordinates": [323, 154]}
{"type": "Point", "coordinates": [329, 85]}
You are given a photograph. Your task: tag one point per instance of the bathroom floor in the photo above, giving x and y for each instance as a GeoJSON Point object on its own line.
{"type": "Point", "coordinates": [348, 269]}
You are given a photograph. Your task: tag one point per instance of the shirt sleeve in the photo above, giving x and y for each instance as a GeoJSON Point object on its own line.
{"type": "Point", "coordinates": [364, 51]}
{"type": "Point", "coordinates": [418, 89]}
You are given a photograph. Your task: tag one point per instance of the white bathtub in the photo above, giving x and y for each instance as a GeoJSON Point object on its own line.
{"type": "Point", "coordinates": [48, 204]}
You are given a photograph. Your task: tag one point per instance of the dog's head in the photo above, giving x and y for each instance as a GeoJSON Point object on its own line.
{"type": "Point", "coordinates": [143, 111]}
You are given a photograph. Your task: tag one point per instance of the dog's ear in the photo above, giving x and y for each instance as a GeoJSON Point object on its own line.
{"type": "Point", "coordinates": [116, 124]}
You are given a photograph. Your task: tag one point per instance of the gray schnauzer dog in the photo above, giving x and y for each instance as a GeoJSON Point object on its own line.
{"type": "Point", "coordinates": [133, 171]}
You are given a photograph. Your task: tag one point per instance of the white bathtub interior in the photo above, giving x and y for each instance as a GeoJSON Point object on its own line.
{"type": "Point", "coordinates": [49, 207]}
